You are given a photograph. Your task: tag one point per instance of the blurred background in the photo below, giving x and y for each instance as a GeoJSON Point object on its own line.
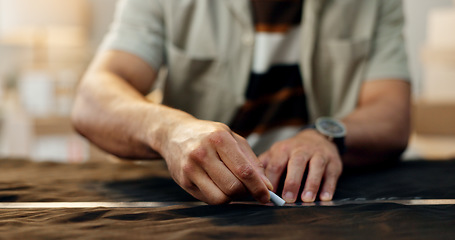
{"type": "Point", "coordinates": [45, 46]}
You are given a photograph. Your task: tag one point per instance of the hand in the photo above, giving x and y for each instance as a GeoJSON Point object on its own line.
{"type": "Point", "coordinates": [214, 164]}
{"type": "Point", "coordinates": [306, 149]}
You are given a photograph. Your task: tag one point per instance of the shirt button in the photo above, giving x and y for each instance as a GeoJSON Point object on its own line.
{"type": "Point", "coordinates": [248, 39]}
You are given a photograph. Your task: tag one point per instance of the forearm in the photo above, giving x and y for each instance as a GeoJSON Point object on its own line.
{"type": "Point", "coordinates": [119, 119]}
{"type": "Point", "coordinates": [378, 130]}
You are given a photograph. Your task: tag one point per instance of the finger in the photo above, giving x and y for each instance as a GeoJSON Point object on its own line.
{"type": "Point", "coordinates": [264, 158]}
{"type": "Point", "coordinates": [316, 170]}
{"type": "Point", "coordinates": [223, 178]}
{"type": "Point", "coordinates": [188, 173]}
{"type": "Point", "coordinates": [234, 158]}
{"type": "Point", "coordinates": [276, 166]}
{"type": "Point", "coordinates": [331, 177]}
{"type": "Point", "coordinates": [253, 159]}
{"type": "Point", "coordinates": [207, 190]}
{"type": "Point", "coordinates": [296, 168]}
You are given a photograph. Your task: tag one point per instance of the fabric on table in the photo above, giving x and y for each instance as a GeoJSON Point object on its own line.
{"type": "Point", "coordinates": [383, 221]}
{"type": "Point", "coordinates": [23, 181]}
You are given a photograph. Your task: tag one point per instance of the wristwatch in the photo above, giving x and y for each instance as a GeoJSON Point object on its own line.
{"type": "Point", "coordinates": [334, 130]}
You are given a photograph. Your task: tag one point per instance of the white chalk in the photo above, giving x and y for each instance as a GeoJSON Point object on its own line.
{"type": "Point", "coordinates": [276, 200]}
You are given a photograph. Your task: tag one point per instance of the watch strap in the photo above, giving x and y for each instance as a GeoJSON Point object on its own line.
{"type": "Point", "coordinates": [341, 146]}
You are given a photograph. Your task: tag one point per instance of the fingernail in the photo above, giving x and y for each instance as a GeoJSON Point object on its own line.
{"type": "Point", "coordinates": [288, 197]}
{"type": "Point", "coordinates": [308, 197]}
{"type": "Point", "coordinates": [325, 196]}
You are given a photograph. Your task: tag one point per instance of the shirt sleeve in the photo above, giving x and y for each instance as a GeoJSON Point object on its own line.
{"type": "Point", "coordinates": [138, 29]}
{"type": "Point", "coordinates": [389, 59]}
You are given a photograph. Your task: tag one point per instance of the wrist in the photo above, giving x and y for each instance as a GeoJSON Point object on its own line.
{"type": "Point", "coordinates": [160, 124]}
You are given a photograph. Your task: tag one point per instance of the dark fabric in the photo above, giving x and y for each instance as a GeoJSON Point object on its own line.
{"type": "Point", "coordinates": [276, 14]}
{"type": "Point", "coordinates": [275, 98]}
{"type": "Point", "coordinates": [23, 181]}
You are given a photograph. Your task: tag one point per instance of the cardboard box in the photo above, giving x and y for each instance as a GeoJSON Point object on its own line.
{"type": "Point", "coordinates": [433, 117]}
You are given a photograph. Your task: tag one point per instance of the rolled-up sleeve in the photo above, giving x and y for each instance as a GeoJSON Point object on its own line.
{"type": "Point", "coordinates": [138, 29]}
{"type": "Point", "coordinates": [388, 59]}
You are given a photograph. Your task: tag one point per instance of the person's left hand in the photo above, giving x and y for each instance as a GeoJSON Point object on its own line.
{"type": "Point", "coordinates": [307, 149]}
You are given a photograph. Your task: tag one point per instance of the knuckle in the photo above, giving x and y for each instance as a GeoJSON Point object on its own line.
{"type": "Point", "coordinates": [234, 188]}
{"type": "Point", "coordinates": [260, 164]}
{"type": "Point", "coordinates": [300, 159]}
{"type": "Point", "coordinates": [222, 126]}
{"type": "Point", "coordinates": [332, 155]}
{"type": "Point", "coordinates": [301, 153]}
{"type": "Point", "coordinates": [275, 147]}
{"type": "Point", "coordinates": [280, 147]}
{"type": "Point", "coordinates": [187, 184]}
{"type": "Point", "coordinates": [319, 161]}
{"type": "Point", "coordinates": [284, 147]}
{"type": "Point", "coordinates": [217, 137]}
{"type": "Point", "coordinates": [274, 168]}
{"type": "Point", "coordinates": [312, 185]}
{"type": "Point", "coordinates": [264, 159]}
{"type": "Point", "coordinates": [318, 149]}
{"type": "Point", "coordinates": [245, 171]}
{"type": "Point", "coordinates": [198, 155]}
{"type": "Point", "coordinates": [304, 148]}
{"type": "Point", "coordinates": [187, 169]}
{"type": "Point", "coordinates": [292, 184]}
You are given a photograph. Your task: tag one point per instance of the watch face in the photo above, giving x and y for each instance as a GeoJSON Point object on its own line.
{"type": "Point", "coordinates": [331, 127]}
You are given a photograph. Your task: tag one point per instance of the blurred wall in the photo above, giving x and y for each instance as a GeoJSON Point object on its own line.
{"type": "Point", "coordinates": [416, 12]}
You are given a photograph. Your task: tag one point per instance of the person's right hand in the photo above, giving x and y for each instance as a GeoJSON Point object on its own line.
{"type": "Point", "coordinates": [212, 163]}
